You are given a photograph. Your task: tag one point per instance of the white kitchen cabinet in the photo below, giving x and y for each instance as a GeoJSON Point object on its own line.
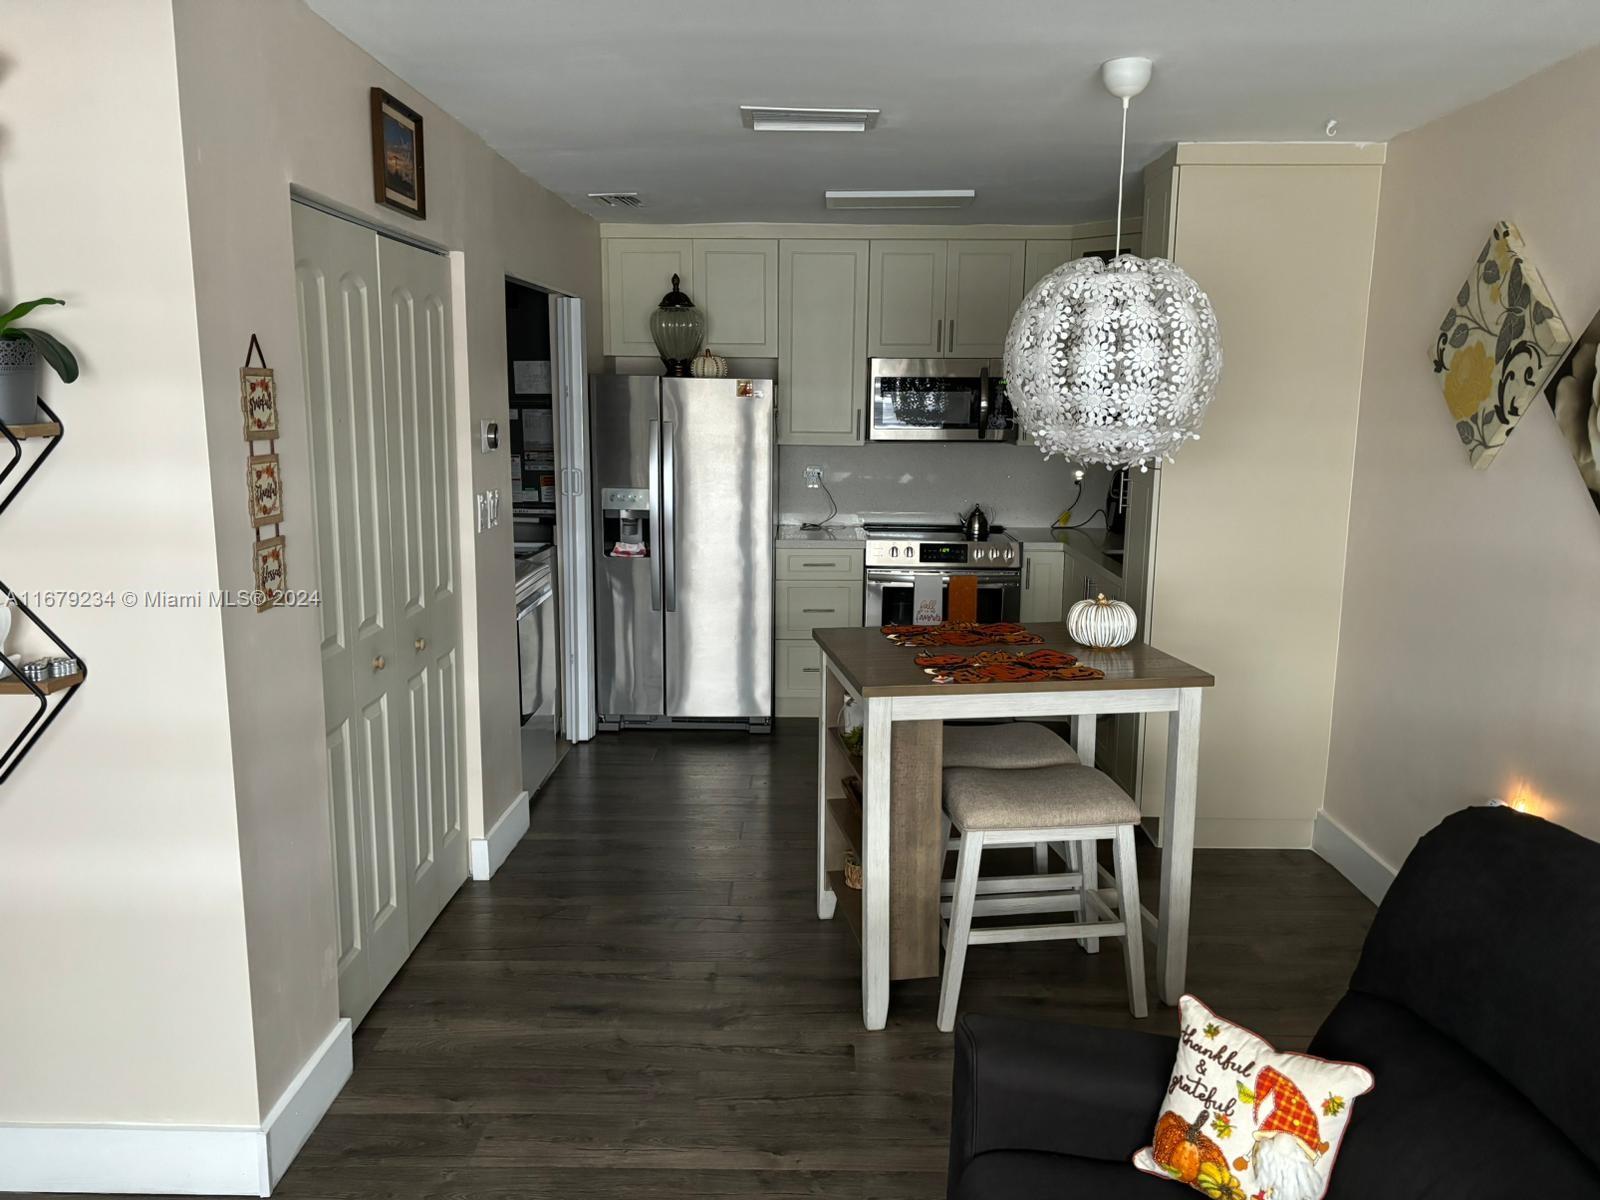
{"type": "Point", "coordinates": [950, 299]}
{"type": "Point", "coordinates": [638, 273]}
{"type": "Point", "coordinates": [818, 584]}
{"type": "Point", "coordinates": [797, 679]}
{"type": "Point", "coordinates": [983, 287]}
{"type": "Point", "coordinates": [1043, 256]}
{"type": "Point", "coordinates": [906, 300]}
{"type": "Point", "coordinates": [803, 606]}
{"type": "Point", "coordinates": [822, 342]}
{"type": "Point", "coordinates": [736, 283]}
{"type": "Point", "coordinates": [1043, 574]}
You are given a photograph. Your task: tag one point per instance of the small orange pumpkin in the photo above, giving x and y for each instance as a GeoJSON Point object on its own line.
{"type": "Point", "coordinates": [1182, 1148]}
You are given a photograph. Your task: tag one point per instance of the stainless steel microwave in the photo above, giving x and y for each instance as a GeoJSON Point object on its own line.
{"type": "Point", "coordinates": [939, 400]}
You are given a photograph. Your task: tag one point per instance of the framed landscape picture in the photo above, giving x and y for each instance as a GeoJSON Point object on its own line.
{"type": "Point", "coordinates": [397, 170]}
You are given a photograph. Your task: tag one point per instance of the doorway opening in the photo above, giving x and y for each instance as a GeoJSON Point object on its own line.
{"type": "Point", "coordinates": [548, 443]}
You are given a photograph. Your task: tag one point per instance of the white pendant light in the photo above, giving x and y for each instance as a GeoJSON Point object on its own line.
{"type": "Point", "coordinates": [1114, 362]}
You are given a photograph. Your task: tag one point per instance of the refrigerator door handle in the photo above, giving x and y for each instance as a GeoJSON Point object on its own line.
{"type": "Point", "coordinates": [653, 544]}
{"type": "Point", "coordinates": [669, 514]}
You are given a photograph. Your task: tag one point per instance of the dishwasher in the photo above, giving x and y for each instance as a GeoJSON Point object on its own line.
{"type": "Point", "coordinates": [538, 665]}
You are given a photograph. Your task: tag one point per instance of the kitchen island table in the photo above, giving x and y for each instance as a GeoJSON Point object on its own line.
{"type": "Point", "coordinates": [897, 828]}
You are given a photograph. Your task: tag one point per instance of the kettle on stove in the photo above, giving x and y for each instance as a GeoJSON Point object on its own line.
{"type": "Point", "coordinates": [975, 525]}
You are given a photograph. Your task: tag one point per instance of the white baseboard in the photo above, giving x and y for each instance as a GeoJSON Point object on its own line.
{"type": "Point", "coordinates": [1242, 833]}
{"type": "Point", "coordinates": [307, 1098]}
{"type": "Point", "coordinates": [487, 853]}
{"type": "Point", "coordinates": [1351, 857]}
{"type": "Point", "coordinates": [175, 1159]}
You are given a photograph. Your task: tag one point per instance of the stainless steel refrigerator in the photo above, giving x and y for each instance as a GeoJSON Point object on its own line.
{"type": "Point", "coordinates": [683, 493]}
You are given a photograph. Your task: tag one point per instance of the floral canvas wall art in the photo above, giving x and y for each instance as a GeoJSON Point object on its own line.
{"type": "Point", "coordinates": [1497, 345]}
{"type": "Point", "coordinates": [1574, 396]}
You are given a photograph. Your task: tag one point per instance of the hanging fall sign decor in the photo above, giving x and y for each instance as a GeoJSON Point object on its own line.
{"type": "Point", "coordinates": [258, 395]}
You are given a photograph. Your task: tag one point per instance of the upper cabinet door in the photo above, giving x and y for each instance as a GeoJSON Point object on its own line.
{"type": "Point", "coordinates": [1044, 256]}
{"type": "Point", "coordinates": [822, 344]}
{"type": "Point", "coordinates": [639, 272]}
{"type": "Point", "coordinates": [982, 290]}
{"type": "Point", "coordinates": [905, 307]}
{"type": "Point", "coordinates": [736, 282]}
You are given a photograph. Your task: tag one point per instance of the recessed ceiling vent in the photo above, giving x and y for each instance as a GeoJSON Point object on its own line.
{"type": "Point", "coordinates": [768, 119]}
{"type": "Point", "coordinates": [617, 199]}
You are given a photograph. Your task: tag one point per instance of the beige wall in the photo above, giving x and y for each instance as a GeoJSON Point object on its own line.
{"type": "Point", "coordinates": [273, 97]}
{"type": "Point", "coordinates": [1467, 668]}
{"type": "Point", "coordinates": [1249, 538]}
{"type": "Point", "coordinates": [124, 991]}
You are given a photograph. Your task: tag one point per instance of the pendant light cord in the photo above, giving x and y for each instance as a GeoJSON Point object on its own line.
{"type": "Point", "coordinates": [1122, 171]}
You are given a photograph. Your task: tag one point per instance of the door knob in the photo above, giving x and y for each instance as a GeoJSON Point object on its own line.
{"type": "Point", "coordinates": [421, 644]}
{"type": "Point", "coordinates": [377, 663]}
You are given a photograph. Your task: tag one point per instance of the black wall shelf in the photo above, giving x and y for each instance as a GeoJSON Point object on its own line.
{"type": "Point", "coordinates": [14, 682]}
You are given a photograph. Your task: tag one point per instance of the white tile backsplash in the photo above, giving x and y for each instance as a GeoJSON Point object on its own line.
{"type": "Point", "coordinates": [1015, 484]}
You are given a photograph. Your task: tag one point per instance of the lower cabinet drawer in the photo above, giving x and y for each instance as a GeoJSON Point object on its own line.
{"type": "Point", "coordinates": [821, 564]}
{"type": "Point", "coordinates": [799, 671]}
{"type": "Point", "coordinates": [801, 607]}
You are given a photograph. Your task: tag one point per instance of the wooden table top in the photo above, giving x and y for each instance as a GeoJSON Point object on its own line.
{"type": "Point", "coordinates": [875, 666]}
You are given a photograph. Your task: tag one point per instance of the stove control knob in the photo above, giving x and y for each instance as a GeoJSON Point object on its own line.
{"type": "Point", "coordinates": [908, 551]}
{"type": "Point", "coordinates": [894, 551]}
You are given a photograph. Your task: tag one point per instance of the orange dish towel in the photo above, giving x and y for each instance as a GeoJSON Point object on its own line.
{"type": "Point", "coordinates": [962, 604]}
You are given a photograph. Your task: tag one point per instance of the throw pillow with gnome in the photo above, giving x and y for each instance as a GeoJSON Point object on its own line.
{"type": "Point", "coordinates": [1239, 1123]}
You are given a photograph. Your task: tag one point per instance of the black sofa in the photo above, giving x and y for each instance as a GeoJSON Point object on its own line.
{"type": "Point", "coordinates": [1476, 1005]}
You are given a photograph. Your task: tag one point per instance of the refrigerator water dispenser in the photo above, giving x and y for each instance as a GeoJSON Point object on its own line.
{"type": "Point", "coordinates": [625, 521]}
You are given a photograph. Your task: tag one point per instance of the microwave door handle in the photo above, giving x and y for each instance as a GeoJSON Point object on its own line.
{"type": "Point", "coordinates": [983, 403]}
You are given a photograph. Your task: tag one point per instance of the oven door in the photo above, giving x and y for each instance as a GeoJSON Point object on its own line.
{"type": "Point", "coordinates": [889, 595]}
{"type": "Point", "coordinates": [939, 400]}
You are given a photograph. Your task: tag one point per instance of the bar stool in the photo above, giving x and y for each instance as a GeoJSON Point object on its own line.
{"type": "Point", "coordinates": [1029, 807]}
{"type": "Point", "coordinates": [1010, 746]}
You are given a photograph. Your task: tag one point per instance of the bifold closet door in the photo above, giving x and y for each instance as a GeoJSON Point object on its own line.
{"type": "Point", "coordinates": [427, 679]}
{"type": "Point", "coordinates": [336, 276]}
{"type": "Point", "coordinates": [375, 329]}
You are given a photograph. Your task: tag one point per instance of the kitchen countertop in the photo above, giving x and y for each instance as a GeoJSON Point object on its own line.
{"type": "Point", "coordinates": [794, 535]}
{"type": "Point", "coordinates": [1086, 545]}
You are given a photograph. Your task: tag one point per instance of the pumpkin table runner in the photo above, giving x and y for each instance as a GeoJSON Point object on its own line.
{"type": "Point", "coordinates": [1002, 666]}
{"type": "Point", "coordinates": [962, 633]}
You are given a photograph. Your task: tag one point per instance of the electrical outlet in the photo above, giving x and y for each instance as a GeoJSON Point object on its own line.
{"type": "Point", "coordinates": [813, 477]}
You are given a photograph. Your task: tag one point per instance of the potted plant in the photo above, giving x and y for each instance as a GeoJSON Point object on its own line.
{"type": "Point", "coordinates": [20, 352]}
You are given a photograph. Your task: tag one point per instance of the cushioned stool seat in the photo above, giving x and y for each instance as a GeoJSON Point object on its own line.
{"type": "Point", "coordinates": [1041, 798]}
{"type": "Point", "coordinates": [1018, 744]}
{"type": "Point", "coordinates": [1069, 805]}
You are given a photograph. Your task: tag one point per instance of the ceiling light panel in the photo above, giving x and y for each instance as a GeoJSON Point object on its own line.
{"type": "Point", "coordinates": [768, 119]}
{"type": "Point", "coordinates": [922, 198]}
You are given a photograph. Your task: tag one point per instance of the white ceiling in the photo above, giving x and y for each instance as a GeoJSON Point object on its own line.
{"type": "Point", "coordinates": [998, 95]}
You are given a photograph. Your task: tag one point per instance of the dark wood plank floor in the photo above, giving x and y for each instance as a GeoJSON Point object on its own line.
{"type": "Point", "coordinates": [643, 1004]}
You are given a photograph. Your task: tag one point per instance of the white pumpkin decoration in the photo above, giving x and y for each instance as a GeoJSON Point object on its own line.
{"type": "Point", "coordinates": [707, 365]}
{"type": "Point", "coordinates": [1101, 623]}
